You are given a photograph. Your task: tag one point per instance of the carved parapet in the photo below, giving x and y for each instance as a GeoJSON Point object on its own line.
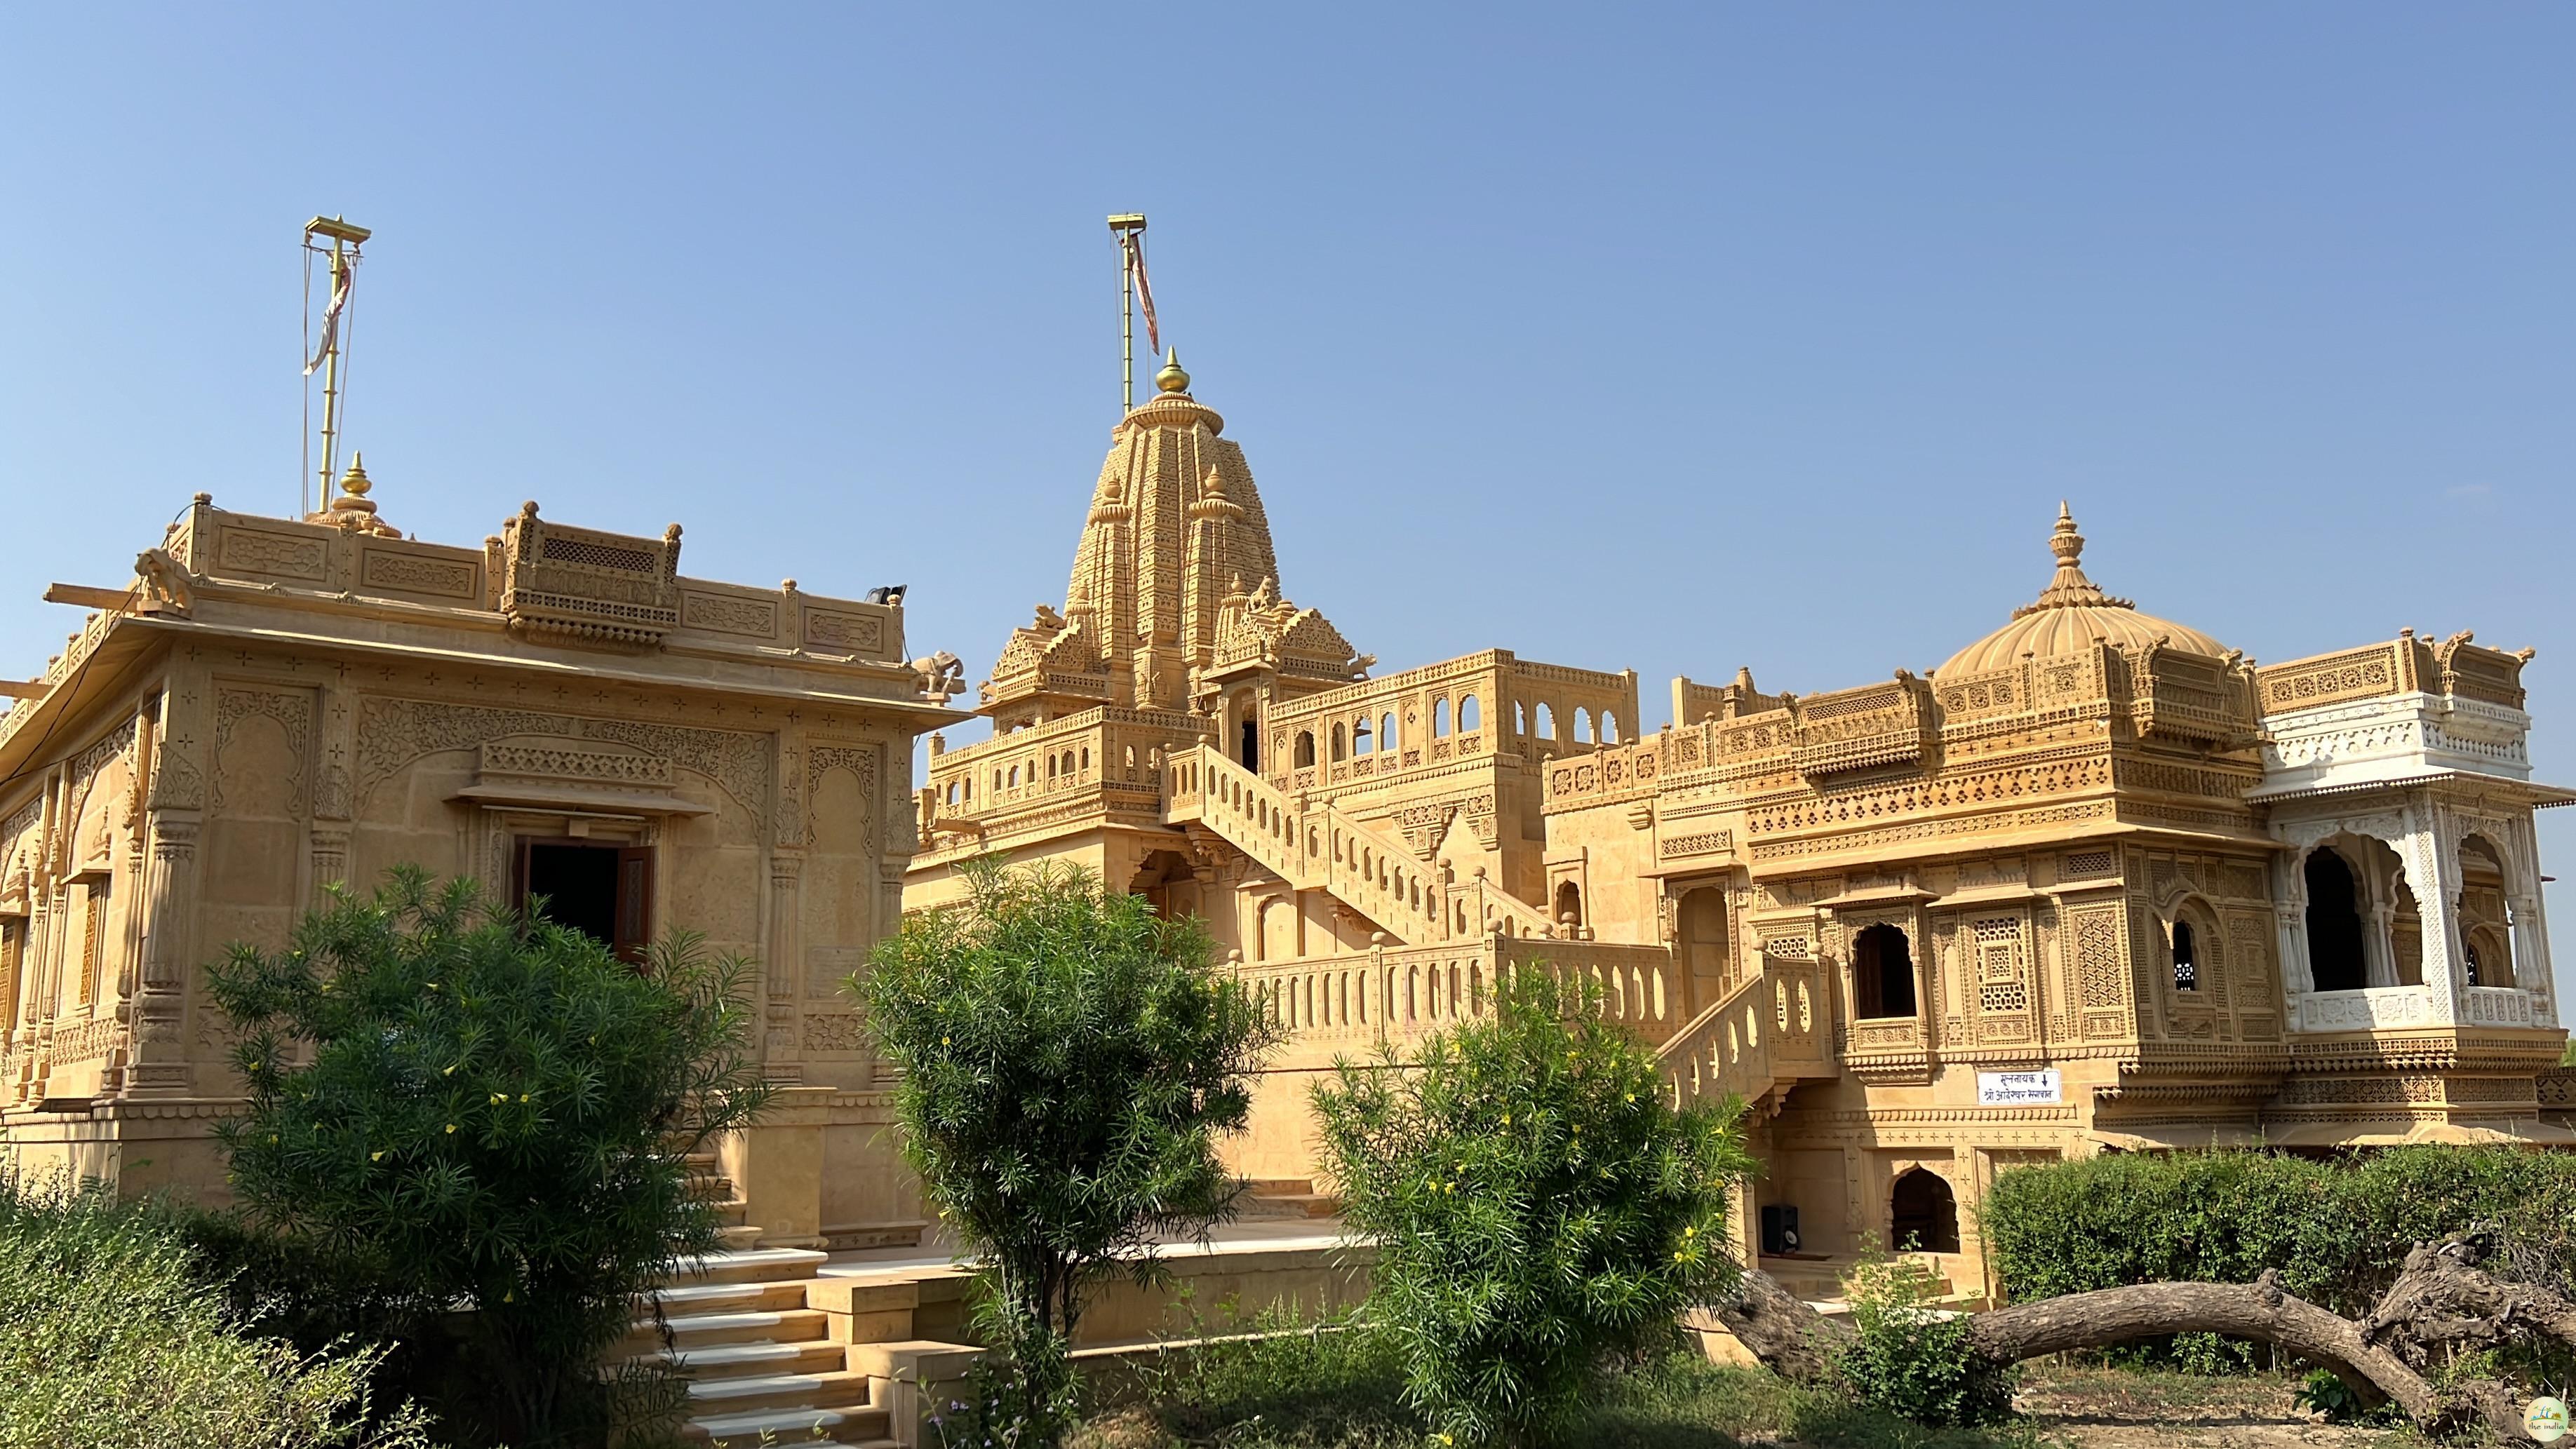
{"type": "Point", "coordinates": [2190, 696]}
{"type": "Point", "coordinates": [586, 586]}
{"type": "Point", "coordinates": [1861, 729]}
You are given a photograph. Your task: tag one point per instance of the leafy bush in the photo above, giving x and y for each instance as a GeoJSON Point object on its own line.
{"type": "Point", "coordinates": [2338, 1230]}
{"type": "Point", "coordinates": [1070, 1060]}
{"type": "Point", "coordinates": [108, 1336]}
{"type": "Point", "coordinates": [1537, 1205]}
{"type": "Point", "coordinates": [1913, 1361]}
{"type": "Point", "coordinates": [474, 1110]}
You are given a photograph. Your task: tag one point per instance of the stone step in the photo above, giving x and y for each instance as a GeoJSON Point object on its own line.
{"type": "Point", "coordinates": [752, 1393]}
{"type": "Point", "coordinates": [1250, 1208]}
{"type": "Point", "coordinates": [707, 1330]}
{"type": "Point", "coordinates": [757, 1360]}
{"type": "Point", "coordinates": [855, 1427]}
{"type": "Point", "coordinates": [731, 1297]}
{"type": "Point", "coordinates": [756, 1265]}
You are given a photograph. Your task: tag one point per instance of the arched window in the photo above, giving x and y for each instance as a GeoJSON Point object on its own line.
{"type": "Point", "coordinates": [997, 779]}
{"type": "Point", "coordinates": [1015, 777]}
{"type": "Point", "coordinates": [2186, 958]}
{"type": "Point", "coordinates": [1305, 749]}
{"type": "Point", "coordinates": [1609, 728]}
{"type": "Point", "coordinates": [1086, 757]}
{"type": "Point", "coordinates": [1131, 757]}
{"type": "Point", "coordinates": [2486, 922]}
{"type": "Point", "coordinates": [1546, 721]}
{"type": "Point", "coordinates": [1388, 737]}
{"type": "Point", "coordinates": [1883, 972]}
{"type": "Point", "coordinates": [1582, 726]}
{"type": "Point", "coordinates": [1471, 718]}
{"type": "Point", "coordinates": [2335, 961]}
{"type": "Point", "coordinates": [1923, 1214]}
{"type": "Point", "coordinates": [1569, 905]}
{"type": "Point", "coordinates": [1050, 767]}
{"type": "Point", "coordinates": [1520, 718]}
{"type": "Point", "coordinates": [1341, 742]}
{"type": "Point", "coordinates": [1440, 718]}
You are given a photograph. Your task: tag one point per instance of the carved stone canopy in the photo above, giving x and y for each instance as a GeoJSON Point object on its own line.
{"type": "Point", "coordinates": [545, 772]}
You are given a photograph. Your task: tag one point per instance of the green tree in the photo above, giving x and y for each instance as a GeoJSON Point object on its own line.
{"type": "Point", "coordinates": [1539, 1208]}
{"type": "Point", "coordinates": [491, 1111]}
{"type": "Point", "coordinates": [108, 1335]}
{"type": "Point", "coordinates": [1070, 1061]}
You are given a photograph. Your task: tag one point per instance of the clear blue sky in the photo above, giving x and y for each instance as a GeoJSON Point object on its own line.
{"type": "Point", "coordinates": [1668, 339]}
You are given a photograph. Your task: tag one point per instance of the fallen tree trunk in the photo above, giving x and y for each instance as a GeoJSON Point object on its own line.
{"type": "Point", "coordinates": [1776, 1326]}
{"type": "Point", "coordinates": [2259, 1311]}
{"type": "Point", "coordinates": [2440, 1301]}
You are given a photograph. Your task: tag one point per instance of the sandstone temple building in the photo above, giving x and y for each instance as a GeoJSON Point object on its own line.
{"type": "Point", "coordinates": [276, 704]}
{"type": "Point", "coordinates": [2097, 882]}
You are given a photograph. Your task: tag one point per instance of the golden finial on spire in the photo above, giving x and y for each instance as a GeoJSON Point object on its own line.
{"type": "Point", "coordinates": [1172, 379]}
{"type": "Point", "coordinates": [353, 509]}
{"type": "Point", "coordinates": [2064, 541]}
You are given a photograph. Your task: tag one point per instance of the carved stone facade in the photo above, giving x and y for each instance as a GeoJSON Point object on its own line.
{"type": "Point", "coordinates": [294, 704]}
{"type": "Point", "coordinates": [2044, 900]}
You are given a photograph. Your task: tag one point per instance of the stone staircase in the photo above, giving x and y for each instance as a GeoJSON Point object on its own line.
{"type": "Point", "coordinates": [1756, 1042]}
{"type": "Point", "coordinates": [1312, 846]}
{"type": "Point", "coordinates": [775, 1355]}
{"type": "Point", "coordinates": [708, 1183]}
{"type": "Point", "coordinates": [1284, 1198]}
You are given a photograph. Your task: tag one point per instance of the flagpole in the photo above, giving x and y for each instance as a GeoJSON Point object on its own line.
{"type": "Point", "coordinates": [1129, 228]}
{"type": "Point", "coordinates": [345, 241]}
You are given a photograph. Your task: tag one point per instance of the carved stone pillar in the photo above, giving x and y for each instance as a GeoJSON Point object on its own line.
{"type": "Point", "coordinates": [784, 970]}
{"type": "Point", "coordinates": [160, 1065]}
{"type": "Point", "coordinates": [330, 855]}
{"type": "Point", "coordinates": [2531, 955]}
{"type": "Point", "coordinates": [2433, 871]}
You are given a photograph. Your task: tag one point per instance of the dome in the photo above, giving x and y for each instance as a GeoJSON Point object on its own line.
{"type": "Point", "coordinates": [2069, 615]}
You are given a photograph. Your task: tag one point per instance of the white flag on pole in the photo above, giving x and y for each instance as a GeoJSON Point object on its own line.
{"type": "Point", "coordinates": [331, 318]}
{"type": "Point", "coordinates": [1144, 291]}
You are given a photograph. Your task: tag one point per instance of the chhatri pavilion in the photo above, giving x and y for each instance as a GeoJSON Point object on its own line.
{"type": "Point", "coordinates": [2097, 882]}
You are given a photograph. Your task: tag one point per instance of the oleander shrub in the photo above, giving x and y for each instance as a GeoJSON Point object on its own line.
{"type": "Point", "coordinates": [472, 1123]}
{"type": "Point", "coordinates": [1911, 1359]}
{"type": "Point", "coordinates": [111, 1333]}
{"type": "Point", "coordinates": [1541, 1211]}
{"type": "Point", "coordinates": [2338, 1229]}
{"type": "Point", "coordinates": [1070, 1062]}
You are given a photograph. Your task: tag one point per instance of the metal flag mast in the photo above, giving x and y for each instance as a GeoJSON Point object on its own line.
{"type": "Point", "coordinates": [331, 356]}
{"type": "Point", "coordinates": [1129, 229]}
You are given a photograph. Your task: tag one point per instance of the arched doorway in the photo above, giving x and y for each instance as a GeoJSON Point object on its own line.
{"type": "Point", "coordinates": [1569, 905]}
{"type": "Point", "coordinates": [1923, 1214]}
{"type": "Point", "coordinates": [1883, 972]}
{"type": "Point", "coordinates": [2335, 959]}
{"type": "Point", "coordinates": [1156, 879]}
{"type": "Point", "coordinates": [1248, 743]}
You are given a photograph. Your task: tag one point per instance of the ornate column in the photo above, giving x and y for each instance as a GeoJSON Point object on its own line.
{"type": "Point", "coordinates": [2431, 856]}
{"type": "Point", "coordinates": [160, 1061]}
{"type": "Point", "coordinates": [332, 794]}
{"type": "Point", "coordinates": [784, 968]}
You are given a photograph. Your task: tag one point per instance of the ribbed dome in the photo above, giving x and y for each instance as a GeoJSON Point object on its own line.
{"type": "Point", "coordinates": [2069, 615]}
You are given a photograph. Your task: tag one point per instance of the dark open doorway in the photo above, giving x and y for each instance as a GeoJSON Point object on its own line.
{"type": "Point", "coordinates": [1923, 1214]}
{"type": "Point", "coordinates": [603, 891]}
